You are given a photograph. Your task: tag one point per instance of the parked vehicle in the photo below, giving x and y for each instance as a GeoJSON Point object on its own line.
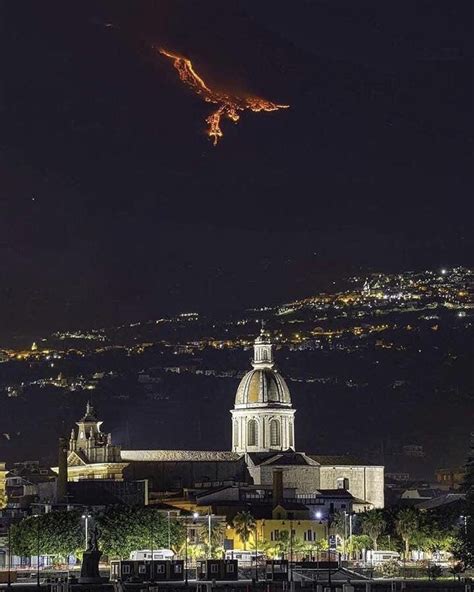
{"type": "Point", "coordinates": [245, 557]}
{"type": "Point", "coordinates": [381, 556]}
{"type": "Point", "coordinates": [158, 555]}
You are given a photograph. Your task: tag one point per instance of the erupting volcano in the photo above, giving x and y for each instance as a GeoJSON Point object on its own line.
{"type": "Point", "coordinates": [228, 105]}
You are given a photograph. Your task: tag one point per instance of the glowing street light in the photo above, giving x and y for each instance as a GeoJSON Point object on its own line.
{"type": "Point", "coordinates": [86, 516]}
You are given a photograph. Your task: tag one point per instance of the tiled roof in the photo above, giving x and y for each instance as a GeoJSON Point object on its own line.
{"type": "Point", "coordinates": [292, 506]}
{"type": "Point", "coordinates": [442, 500]}
{"type": "Point", "coordinates": [336, 493]}
{"type": "Point", "coordinates": [179, 455]}
{"type": "Point", "coordinates": [278, 458]}
{"type": "Point", "coordinates": [336, 460]}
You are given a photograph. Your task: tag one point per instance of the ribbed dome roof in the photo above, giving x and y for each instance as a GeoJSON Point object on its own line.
{"type": "Point", "coordinates": [262, 386]}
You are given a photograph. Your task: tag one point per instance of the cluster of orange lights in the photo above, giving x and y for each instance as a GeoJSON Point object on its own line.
{"type": "Point", "coordinates": [228, 105]}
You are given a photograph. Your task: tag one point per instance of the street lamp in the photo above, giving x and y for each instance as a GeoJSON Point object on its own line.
{"type": "Point", "coordinates": [209, 518]}
{"type": "Point", "coordinates": [195, 517]}
{"type": "Point", "coordinates": [9, 580]}
{"type": "Point", "coordinates": [350, 516]}
{"type": "Point", "coordinates": [329, 549]}
{"type": "Point", "coordinates": [86, 516]}
{"type": "Point", "coordinates": [256, 551]}
{"type": "Point", "coordinates": [465, 519]}
{"type": "Point", "coordinates": [318, 515]}
{"type": "Point", "coordinates": [169, 529]}
{"type": "Point", "coordinates": [345, 536]}
{"type": "Point", "coordinates": [328, 538]}
{"type": "Point", "coordinates": [186, 556]}
{"type": "Point", "coordinates": [152, 564]}
{"type": "Point", "coordinates": [37, 549]}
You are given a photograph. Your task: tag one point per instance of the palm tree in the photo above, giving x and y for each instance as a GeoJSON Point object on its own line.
{"type": "Point", "coordinates": [339, 525]}
{"type": "Point", "coordinates": [406, 526]}
{"type": "Point", "coordinates": [284, 543]}
{"type": "Point", "coordinates": [244, 525]}
{"type": "Point", "coordinates": [215, 545]}
{"type": "Point", "coordinates": [373, 525]}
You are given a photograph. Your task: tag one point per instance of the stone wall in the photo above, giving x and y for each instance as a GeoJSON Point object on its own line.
{"type": "Point", "coordinates": [365, 482]}
{"type": "Point", "coordinates": [173, 475]}
{"type": "Point", "coordinates": [305, 479]}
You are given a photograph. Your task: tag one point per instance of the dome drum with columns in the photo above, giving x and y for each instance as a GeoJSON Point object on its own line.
{"type": "Point", "coordinates": [262, 418]}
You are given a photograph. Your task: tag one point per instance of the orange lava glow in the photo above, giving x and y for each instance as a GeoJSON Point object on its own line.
{"type": "Point", "coordinates": [228, 105]}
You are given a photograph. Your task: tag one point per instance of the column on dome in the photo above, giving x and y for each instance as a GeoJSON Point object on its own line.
{"type": "Point", "coordinates": [291, 434]}
{"type": "Point", "coordinates": [235, 434]}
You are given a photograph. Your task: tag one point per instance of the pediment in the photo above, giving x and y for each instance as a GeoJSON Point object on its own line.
{"type": "Point", "coordinates": [76, 460]}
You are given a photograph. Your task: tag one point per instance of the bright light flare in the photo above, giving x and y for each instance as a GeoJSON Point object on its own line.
{"type": "Point", "coordinates": [228, 105]}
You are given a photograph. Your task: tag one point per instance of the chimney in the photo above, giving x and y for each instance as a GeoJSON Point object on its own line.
{"type": "Point", "coordinates": [61, 482]}
{"type": "Point", "coordinates": [277, 487]}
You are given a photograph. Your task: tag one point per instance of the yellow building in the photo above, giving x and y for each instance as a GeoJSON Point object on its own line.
{"type": "Point", "coordinates": [3, 485]}
{"type": "Point", "coordinates": [273, 535]}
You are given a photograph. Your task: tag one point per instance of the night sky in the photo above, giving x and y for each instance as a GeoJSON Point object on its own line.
{"type": "Point", "coordinates": [116, 205]}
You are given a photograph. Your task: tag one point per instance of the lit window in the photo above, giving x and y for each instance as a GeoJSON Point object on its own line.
{"type": "Point", "coordinates": [275, 433]}
{"type": "Point", "coordinates": [252, 432]}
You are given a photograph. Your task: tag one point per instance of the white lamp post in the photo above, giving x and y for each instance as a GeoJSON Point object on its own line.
{"type": "Point", "coordinates": [86, 517]}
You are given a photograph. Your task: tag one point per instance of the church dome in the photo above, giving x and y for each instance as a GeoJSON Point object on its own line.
{"type": "Point", "coordinates": [262, 418]}
{"type": "Point", "coordinates": [262, 386]}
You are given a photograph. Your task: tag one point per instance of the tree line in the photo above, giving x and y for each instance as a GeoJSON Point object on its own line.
{"type": "Point", "coordinates": [124, 529]}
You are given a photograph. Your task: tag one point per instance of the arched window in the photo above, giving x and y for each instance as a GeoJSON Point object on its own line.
{"type": "Point", "coordinates": [236, 433]}
{"type": "Point", "coordinates": [252, 432]}
{"type": "Point", "coordinates": [275, 433]}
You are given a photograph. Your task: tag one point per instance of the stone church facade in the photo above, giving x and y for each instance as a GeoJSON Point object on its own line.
{"type": "Point", "coordinates": [263, 440]}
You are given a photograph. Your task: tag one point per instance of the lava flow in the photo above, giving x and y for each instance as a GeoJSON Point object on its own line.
{"type": "Point", "coordinates": [228, 105]}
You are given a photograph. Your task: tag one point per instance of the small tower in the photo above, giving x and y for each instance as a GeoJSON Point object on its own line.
{"type": "Point", "coordinates": [262, 351]}
{"type": "Point", "coordinates": [88, 428]}
{"type": "Point", "coordinates": [93, 444]}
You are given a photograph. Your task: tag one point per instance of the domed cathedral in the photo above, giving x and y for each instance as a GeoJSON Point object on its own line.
{"type": "Point", "coordinates": [263, 418]}
{"type": "Point", "coordinates": [263, 441]}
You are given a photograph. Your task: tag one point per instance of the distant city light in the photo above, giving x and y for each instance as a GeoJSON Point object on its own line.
{"type": "Point", "coordinates": [444, 271]}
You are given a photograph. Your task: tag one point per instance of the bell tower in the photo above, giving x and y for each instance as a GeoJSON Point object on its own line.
{"type": "Point", "coordinates": [95, 445]}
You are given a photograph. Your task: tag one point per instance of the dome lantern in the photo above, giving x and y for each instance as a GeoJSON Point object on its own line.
{"type": "Point", "coordinates": [262, 351]}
